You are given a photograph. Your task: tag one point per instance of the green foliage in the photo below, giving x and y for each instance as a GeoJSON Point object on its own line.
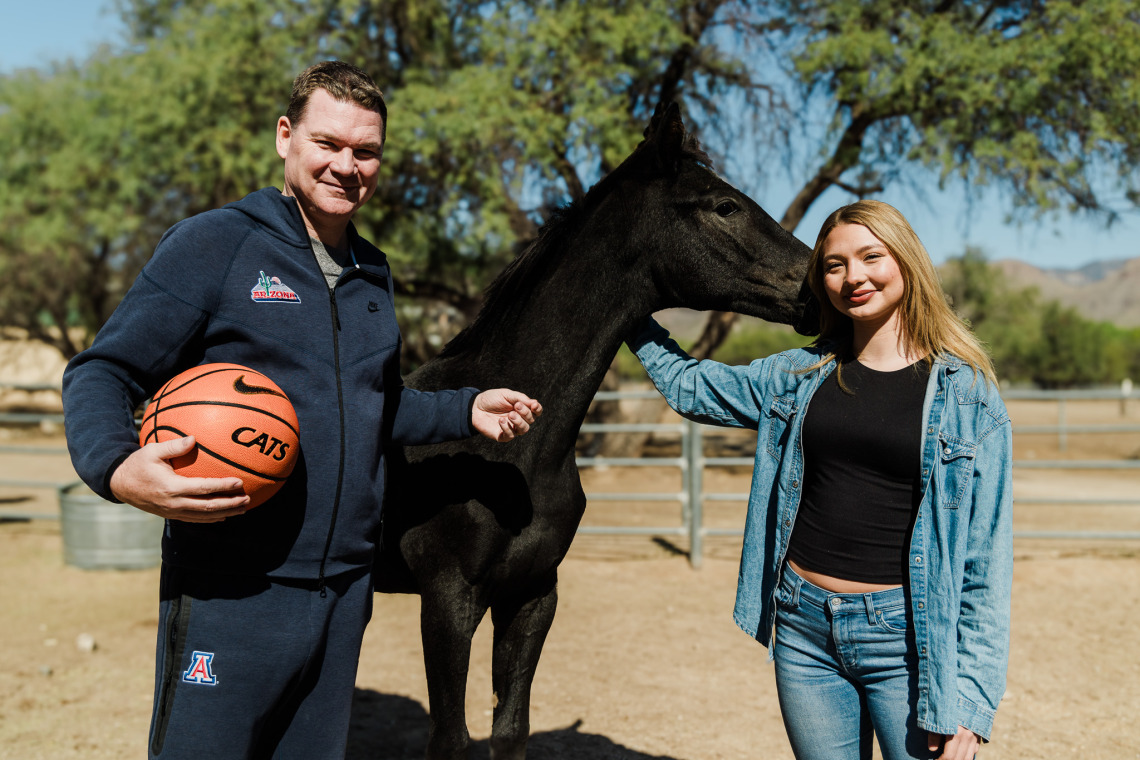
{"type": "Point", "coordinates": [1008, 321]}
{"type": "Point", "coordinates": [502, 111]}
{"type": "Point", "coordinates": [1038, 96]}
{"type": "Point", "coordinates": [499, 116]}
{"type": "Point", "coordinates": [1077, 352]}
{"type": "Point", "coordinates": [99, 159]}
{"type": "Point", "coordinates": [747, 343]}
{"type": "Point", "coordinates": [1036, 342]}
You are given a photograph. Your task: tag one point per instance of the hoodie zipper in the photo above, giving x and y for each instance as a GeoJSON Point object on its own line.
{"type": "Point", "coordinates": [340, 465]}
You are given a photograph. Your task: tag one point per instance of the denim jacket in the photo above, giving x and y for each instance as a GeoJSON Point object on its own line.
{"type": "Point", "coordinates": [961, 551]}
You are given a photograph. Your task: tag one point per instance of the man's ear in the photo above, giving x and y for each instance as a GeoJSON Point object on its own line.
{"type": "Point", "coordinates": [284, 133]}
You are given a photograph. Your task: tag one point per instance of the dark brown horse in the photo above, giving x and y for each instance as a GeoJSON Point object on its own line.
{"type": "Point", "coordinates": [474, 525]}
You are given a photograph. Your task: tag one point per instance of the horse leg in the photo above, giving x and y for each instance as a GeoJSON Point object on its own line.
{"type": "Point", "coordinates": [447, 623]}
{"type": "Point", "coordinates": [520, 631]}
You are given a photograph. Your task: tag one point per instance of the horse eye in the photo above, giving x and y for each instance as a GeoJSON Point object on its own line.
{"type": "Point", "coordinates": [726, 208]}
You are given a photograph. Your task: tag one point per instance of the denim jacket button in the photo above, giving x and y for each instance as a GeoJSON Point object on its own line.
{"type": "Point", "coordinates": [918, 560]}
{"type": "Point", "coordinates": [921, 606]}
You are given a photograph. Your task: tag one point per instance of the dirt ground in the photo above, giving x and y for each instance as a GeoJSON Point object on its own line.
{"type": "Point", "coordinates": [643, 661]}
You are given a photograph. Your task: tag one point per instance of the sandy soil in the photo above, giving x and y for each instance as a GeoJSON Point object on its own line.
{"type": "Point", "coordinates": [643, 661]}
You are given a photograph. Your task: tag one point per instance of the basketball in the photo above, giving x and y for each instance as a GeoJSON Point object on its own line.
{"type": "Point", "coordinates": [243, 424]}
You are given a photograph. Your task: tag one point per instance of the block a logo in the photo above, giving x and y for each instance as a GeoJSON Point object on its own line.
{"type": "Point", "coordinates": [200, 671]}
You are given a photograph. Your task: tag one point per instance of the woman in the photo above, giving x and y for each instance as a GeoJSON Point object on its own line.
{"type": "Point", "coordinates": [878, 539]}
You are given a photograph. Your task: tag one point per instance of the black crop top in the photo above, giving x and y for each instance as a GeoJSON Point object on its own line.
{"type": "Point", "coordinates": [861, 467]}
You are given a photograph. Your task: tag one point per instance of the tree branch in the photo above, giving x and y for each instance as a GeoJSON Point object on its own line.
{"type": "Point", "coordinates": [696, 21]}
{"type": "Point", "coordinates": [845, 156]}
{"type": "Point", "coordinates": [861, 191]}
{"type": "Point", "coordinates": [568, 173]}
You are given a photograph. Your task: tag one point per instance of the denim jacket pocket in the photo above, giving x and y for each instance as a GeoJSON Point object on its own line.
{"type": "Point", "coordinates": [780, 414]}
{"type": "Point", "coordinates": [956, 457]}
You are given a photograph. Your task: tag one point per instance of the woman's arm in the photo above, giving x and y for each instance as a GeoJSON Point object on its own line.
{"type": "Point", "coordinates": [703, 391]}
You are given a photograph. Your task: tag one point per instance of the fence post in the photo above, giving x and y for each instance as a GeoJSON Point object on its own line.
{"type": "Point", "coordinates": [1062, 439]}
{"type": "Point", "coordinates": [695, 457]}
{"type": "Point", "coordinates": [686, 472]}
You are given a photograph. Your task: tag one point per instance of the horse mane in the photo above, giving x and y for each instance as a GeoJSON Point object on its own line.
{"type": "Point", "coordinates": [549, 244]}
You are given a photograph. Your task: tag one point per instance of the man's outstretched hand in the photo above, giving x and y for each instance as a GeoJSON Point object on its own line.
{"type": "Point", "coordinates": [502, 414]}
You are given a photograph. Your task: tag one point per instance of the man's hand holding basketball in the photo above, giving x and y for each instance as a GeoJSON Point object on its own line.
{"type": "Point", "coordinates": [502, 414]}
{"type": "Point", "coordinates": [147, 481]}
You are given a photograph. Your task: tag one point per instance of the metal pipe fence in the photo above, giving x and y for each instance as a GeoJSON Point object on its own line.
{"type": "Point", "coordinates": [23, 419]}
{"type": "Point", "coordinates": [692, 464]}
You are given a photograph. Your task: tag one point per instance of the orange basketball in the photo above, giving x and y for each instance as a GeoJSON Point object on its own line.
{"type": "Point", "coordinates": [243, 424]}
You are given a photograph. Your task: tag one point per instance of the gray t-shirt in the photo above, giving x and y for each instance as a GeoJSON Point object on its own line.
{"type": "Point", "coordinates": [332, 260]}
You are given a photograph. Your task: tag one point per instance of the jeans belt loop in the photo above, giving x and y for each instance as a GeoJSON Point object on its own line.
{"type": "Point", "coordinates": [869, 603]}
{"type": "Point", "coordinates": [797, 584]}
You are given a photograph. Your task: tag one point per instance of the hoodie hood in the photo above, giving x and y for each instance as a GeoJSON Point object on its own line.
{"type": "Point", "coordinates": [276, 213]}
{"type": "Point", "coordinates": [279, 216]}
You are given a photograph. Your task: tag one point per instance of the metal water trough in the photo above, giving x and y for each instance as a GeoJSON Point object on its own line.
{"type": "Point", "coordinates": [101, 535]}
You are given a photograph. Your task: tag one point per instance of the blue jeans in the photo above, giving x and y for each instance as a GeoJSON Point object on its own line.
{"type": "Point", "coordinates": [846, 668]}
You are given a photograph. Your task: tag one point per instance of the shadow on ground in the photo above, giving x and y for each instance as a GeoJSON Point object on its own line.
{"type": "Point", "coordinates": [391, 727]}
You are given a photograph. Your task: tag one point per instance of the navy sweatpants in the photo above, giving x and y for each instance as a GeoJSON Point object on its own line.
{"type": "Point", "coordinates": [249, 668]}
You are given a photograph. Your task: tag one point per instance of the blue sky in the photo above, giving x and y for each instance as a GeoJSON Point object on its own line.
{"type": "Point", "coordinates": [35, 33]}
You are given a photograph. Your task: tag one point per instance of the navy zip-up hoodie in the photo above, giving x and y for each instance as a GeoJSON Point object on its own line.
{"type": "Point", "coordinates": [336, 355]}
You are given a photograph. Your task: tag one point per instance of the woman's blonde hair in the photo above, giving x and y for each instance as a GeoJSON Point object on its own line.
{"type": "Point", "coordinates": [930, 328]}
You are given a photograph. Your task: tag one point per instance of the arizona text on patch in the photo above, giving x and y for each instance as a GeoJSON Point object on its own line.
{"type": "Point", "coordinates": [199, 670]}
{"type": "Point", "coordinates": [271, 289]}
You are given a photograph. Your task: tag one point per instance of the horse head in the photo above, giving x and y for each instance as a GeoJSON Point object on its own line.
{"type": "Point", "coordinates": [723, 251]}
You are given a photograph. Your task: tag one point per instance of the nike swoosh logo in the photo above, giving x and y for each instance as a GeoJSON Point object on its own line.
{"type": "Point", "coordinates": [242, 387]}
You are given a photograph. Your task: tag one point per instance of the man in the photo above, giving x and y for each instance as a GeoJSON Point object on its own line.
{"type": "Point", "coordinates": [263, 611]}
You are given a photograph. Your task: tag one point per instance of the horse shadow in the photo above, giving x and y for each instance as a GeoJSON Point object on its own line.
{"type": "Point", "coordinates": [392, 727]}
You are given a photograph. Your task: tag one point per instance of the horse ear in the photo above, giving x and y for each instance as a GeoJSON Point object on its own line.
{"type": "Point", "coordinates": [666, 133]}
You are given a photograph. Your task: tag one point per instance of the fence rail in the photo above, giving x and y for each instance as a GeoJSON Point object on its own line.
{"type": "Point", "coordinates": [692, 464]}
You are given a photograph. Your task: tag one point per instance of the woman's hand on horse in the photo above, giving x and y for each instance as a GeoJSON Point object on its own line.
{"type": "Point", "coordinates": [502, 414]}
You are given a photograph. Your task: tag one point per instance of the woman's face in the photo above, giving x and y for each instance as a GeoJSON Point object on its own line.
{"type": "Point", "coordinates": [860, 276]}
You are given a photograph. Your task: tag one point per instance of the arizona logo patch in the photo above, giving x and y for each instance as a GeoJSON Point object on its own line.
{"type": "Point", "coordinates": [271, 289]}
{"type": "Point", "coordinates": [199, 670]}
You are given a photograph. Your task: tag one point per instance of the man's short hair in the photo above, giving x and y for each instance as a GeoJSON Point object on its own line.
{"type": "Point", "coordinates": [345, 83]}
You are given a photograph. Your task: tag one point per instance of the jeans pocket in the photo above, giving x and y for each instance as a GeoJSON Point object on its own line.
{"type": "Point", "coordinates": [894, 618]}
{"type": "Point", "coordinates": [787, 593]}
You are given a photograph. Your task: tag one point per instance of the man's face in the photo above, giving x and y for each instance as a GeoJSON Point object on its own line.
{"type": "Point", "coordinates": [332, 160]}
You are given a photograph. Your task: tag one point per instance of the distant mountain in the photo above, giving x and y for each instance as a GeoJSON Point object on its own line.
{"type": "Point", "coordinates": [1106, 291]}
{"type": "Point", "coordinates": [1091, 272]}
